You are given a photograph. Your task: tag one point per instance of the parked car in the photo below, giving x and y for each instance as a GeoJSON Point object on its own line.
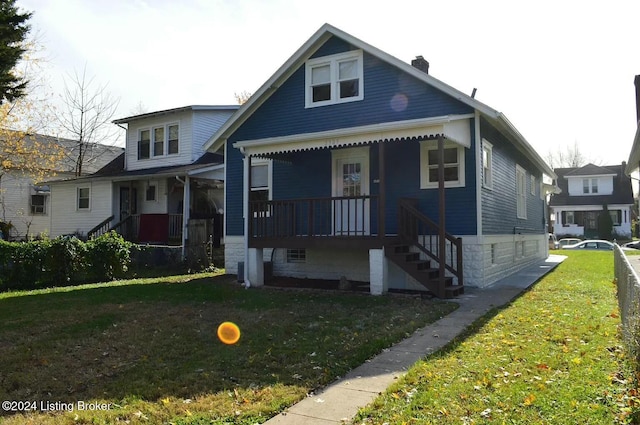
{"type": "Point", "coordinates": [568, 241]}
{"type": "Point", "coordinates": [553, 241]}
{"type": "Point", "coordinates": [591, 244]}
{"type": "Point", "coordinates": [632, 244]}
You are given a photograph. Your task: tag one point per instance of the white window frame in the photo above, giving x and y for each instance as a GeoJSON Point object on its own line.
{"type": "Point", "coordinates": [487, 164]}
{"type": "Point", "coordinates": [533, 184]}
{"type": "Point", "coordinates": [333, 62]}
{"type": "Point", "coordinates": [521, 192]}
{"type": "Point", "coordinates": [594, 185]}
{"type": "Point", "coordinates": [430, 145]}
{"type": "Point", "coordinates": [78, 198]}
{"type": "Point", "coordinates": [152, 140]}
{"type": "Point", "coordinates": [296, 255]}
{"type": "Point", "coordinates": [150, 185]}
{"type": "Point", "coordinates": [43, 207]}
{"type": "Point", "coordinates": [269, 187]}
{"type": "Point", "coordinates": [140, 157]}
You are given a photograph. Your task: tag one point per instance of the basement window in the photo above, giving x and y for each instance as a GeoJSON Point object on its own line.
{"type": "Point", "coordinates": [296, 255]}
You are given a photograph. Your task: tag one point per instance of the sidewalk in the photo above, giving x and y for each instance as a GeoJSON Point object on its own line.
{"type": "Point", "coordinates": [341, 400]}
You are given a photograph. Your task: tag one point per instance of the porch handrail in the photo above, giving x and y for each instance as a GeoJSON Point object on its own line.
{"type": "Point", "coordinates": [101, 228]}
{"type": "Point", "coordinates": [416, 228]}
{"type": "Point", "coordinates": [338, 216]}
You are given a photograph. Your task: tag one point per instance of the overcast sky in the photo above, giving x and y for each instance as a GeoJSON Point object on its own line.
{"type": "Point", "coordinates": [562, 71]}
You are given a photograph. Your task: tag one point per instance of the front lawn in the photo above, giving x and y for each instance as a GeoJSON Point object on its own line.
{"type": "Point", "coordinates": [146, 351]}
{"type": "Point", "coordinates": [553, 356]}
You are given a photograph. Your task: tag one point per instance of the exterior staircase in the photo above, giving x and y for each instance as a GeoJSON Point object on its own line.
{"type": "Point", "coordinates": [423, 272]}
{"type": "Point", "coordinates": [426, 252]}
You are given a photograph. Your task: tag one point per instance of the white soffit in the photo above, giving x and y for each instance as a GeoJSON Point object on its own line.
{"type": "Point", "coordinates": [456, 129]}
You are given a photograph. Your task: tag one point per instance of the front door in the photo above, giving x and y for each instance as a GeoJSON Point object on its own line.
{"type": "Point", "coordinates": [128, 202]}
{"type": "Point", "coordinates": [351, 186]}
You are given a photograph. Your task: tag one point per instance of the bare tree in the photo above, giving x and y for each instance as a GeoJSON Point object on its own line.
{"type": "Point", "coordinates": [242, 97]}
{"type": "Point", "coordinates": [568, 157]}
{"type": "Point", "coordinates": [86, 116]}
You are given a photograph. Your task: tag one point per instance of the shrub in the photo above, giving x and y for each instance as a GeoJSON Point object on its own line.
{"type": "Point", "coordinates": [109, 256]}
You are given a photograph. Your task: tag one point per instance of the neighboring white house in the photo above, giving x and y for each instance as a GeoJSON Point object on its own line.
{"type": "Point", "coordinates": [585, 191]}
{"type": "Point", "coordinates": [163, 177]}
{"type": "Point", "coordinates": [26, 205]}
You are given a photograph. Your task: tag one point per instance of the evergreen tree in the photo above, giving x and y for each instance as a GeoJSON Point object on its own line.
{"type": "Point", "coordinates": [13, 31]}
{"type": "Point", "coordinates": [605, 224]}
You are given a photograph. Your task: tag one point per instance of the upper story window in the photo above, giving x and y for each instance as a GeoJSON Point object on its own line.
{"type": "Point", "coordinates": [453, 164]}
{"type": "Point", "coordinates": [158, 141]}
{"type": "Point", "coordinates": [589, 185]}
{"type": "Point", "coordinates": [144, 144]}
{"type": "Point", "coordinates": [487, 164]}
{"type": "Point", "coordinates": [521, 192]}
{"type": "Point", "coordinates": [334, 79]}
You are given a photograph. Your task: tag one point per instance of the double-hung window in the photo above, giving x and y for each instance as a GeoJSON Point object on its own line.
{"type": "Point", "coordinates": [144, 144]}
{"type": "Point", "coordinates": [487, 164]}
{"type": "Point", "coordinates": [38, 204]}
{"type": "Point", "coordinates": [521, 192]}
{"type": "Point", "coordinates": [453, 160]}
{"type": "Point", "coordinates": [334, 79]}
{"type": "Point", "coordinates": [173, 138]}
{"type": "Point", "coordinates": [158, 141]}
{"type": "Point", "coordinates": [260, 186]}
{"type": "Point", "coordinates": [84, 198]}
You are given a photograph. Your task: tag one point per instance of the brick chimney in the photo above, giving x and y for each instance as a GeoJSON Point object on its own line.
{"type": "Point", "coordinates": [420, 63]}
{"type": "Point", "coordinates": [636, 81]}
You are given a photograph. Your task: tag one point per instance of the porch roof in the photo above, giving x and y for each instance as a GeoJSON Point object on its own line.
{"type": "Point", "coordinates": [452, 127]}
{"type": "Point", "coordinates": [207, 163]}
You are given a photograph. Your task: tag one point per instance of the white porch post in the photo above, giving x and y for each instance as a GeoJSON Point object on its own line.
{"type": "Point", "coordinates": [255, 269]}
{"type": "Point", "coordinates": [186, 193]}
{"type": "Point", "coordinates": [378, 272]}
{"type": "Point", "coordinates": [245, 209]}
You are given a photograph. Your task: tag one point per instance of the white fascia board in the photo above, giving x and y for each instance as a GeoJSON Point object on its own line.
{"type": "Point", "coordinates": [453, 127]}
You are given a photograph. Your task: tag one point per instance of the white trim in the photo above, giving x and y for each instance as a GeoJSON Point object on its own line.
{"type": "Point", "coordinates": [532, 189]}
{"type": "Point", "coordinates": [453, 127]}
{"type": "Point", "coordinates": [78, 188]}
{"type": "Point", "coordinates": [489, 148]}
{"type": "Point", "coordinates": [429, 145]}
{"type": "Point", "coordinates": [478, 181]}
{"type": "Point", "coordinates": [333, 61]}
{"type": "Point", "coordinates": [338, 156]}
{"type": "Point", "coordinates": [320, 37]}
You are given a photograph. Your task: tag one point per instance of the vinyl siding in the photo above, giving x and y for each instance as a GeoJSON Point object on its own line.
{"type": "Point", "coordinates": [284, 113]}
{"type": "Point", "coordinates": [205, 124]}
{"type": "Point", "coordinates": [66, 218]}
{"type": "Point", "coordinates": [15, 198]}
{"type": "Point", "coordinates": [499, 214]}
{"type": "Point", "coordinates": [185, 150]}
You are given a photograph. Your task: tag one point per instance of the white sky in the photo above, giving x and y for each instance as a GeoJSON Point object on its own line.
{"type": "Point", "coordinates": [561, 70]}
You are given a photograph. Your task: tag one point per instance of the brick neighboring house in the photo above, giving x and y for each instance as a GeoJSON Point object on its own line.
{"type": "Point", "coordinates": [585, 191]}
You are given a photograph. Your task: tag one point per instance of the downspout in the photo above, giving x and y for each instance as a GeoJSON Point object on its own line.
{"type": "Point", "coordinates": [245, 208]}
{"type": "Point", "coordinates": [126, 129]}
{"type": "Point", "coordinates": [186, 201]}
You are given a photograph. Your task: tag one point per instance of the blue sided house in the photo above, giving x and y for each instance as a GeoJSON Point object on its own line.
{"type": "Point", "coordinates": [351, 164]}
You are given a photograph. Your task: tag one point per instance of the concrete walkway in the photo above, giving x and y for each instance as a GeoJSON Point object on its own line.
{"type": "Point", "coordinates": [340, 401]}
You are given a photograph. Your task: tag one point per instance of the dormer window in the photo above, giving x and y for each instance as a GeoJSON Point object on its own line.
{"type": "Point", "coordinates": [158, 141]}
{"type": "Point", "coordinates": [334, 79]}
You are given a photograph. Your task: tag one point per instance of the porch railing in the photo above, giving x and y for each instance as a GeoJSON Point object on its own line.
{"type": "Point", "coordinates": [340, 216]}
{"type": "Point", "coordinates": [100, 229]}
{"type": "Point", "coordinates": [175, 226]}
{"type": "Point", "coordinates": [417, 229]}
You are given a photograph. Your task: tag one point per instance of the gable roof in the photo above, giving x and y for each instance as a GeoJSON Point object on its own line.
{"type": "Point", "coordinates": [96, 155]}
{"type": "Point", "coordinates": [317, 40]}
{"type": "Point", "coordinates": [176, 110]}
{"type": "Point", "coordinates": [590, 170]}
{"type": "Point", "coordinates": [622, 191]}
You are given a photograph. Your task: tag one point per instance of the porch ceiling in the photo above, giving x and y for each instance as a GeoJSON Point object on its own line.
{"type": "Point", "coordinates": [454, 128]}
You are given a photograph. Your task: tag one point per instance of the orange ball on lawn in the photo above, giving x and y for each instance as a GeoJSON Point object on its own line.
{"type": "Point", "coordinates": [228, 333]}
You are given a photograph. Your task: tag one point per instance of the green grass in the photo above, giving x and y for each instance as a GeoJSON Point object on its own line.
{"type": "Point", "coordinates": [148, 349]}
{"type": "Point", "coordinates": [553, 356]}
